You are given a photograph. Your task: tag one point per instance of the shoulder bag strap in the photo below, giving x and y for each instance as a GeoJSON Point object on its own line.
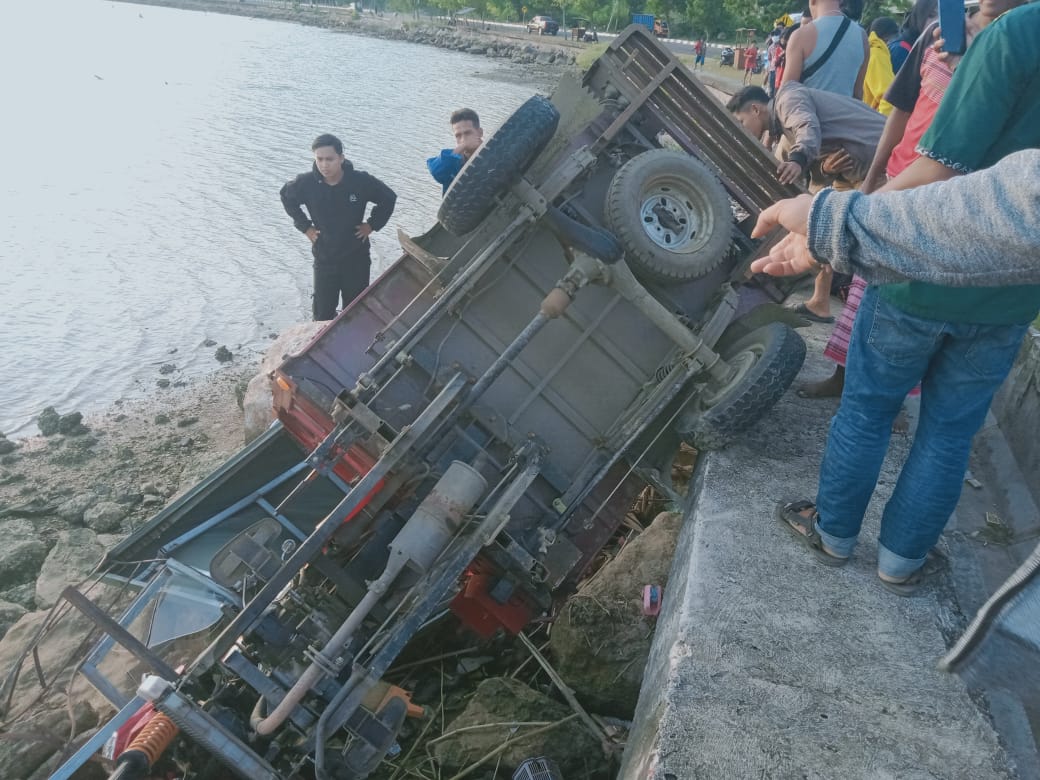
{"type": "Point", "coordinates": [811, 71]}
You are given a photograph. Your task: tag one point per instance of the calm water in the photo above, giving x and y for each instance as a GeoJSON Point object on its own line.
{"type": "Point", "coordinates": [141, 153]}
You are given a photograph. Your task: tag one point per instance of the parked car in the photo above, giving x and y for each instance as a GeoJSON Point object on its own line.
{"type": "Point", "coordinates": [464, 438]}
{"type": "Point", "coordinates": [543, 25]}
{"type": "Point", "coordinates": [661, 28]}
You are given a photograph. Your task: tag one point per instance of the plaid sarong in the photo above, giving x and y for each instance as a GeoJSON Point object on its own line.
{"type": "Point", "coordinates": [837, 348]}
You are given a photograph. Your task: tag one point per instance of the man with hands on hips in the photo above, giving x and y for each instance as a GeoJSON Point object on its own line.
{"type": "Point", "coordinates": [336, 197]}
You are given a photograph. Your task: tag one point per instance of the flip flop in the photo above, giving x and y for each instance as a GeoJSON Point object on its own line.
{"type": "Point", "coordinates": [802, 310]}
{"type": "Point", "coordinates": [788, 514]}
{"type": "Point", "coordinates": [934, 564]}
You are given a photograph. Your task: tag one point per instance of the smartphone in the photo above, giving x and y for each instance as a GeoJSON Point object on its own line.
{"type": "Point", "coordinates": [951, 24]}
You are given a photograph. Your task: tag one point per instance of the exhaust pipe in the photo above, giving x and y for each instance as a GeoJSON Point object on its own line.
{"type": "Point", "coordinates": [416, 546]}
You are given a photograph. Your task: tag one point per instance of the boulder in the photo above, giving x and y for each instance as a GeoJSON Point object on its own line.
{"type": "Point", "coordinates": [601, 640]}
{"type": "Point", "coordinates": [47, 422]}
{"type": "Point", "coordinates": [20, 561]}
{"type": "Point", "coordinates": [6, 445]}
{"type": "Point", "coordinates": [258, 403]}
{"type": "Point", "coordinates": [72, 511]}
{"type": "Point", "coordinates": [10, 613]}
{"type": "Point", "coordinates": [508, 701]}
{"type": "Point", "coordinates": [61, 644]}
{"type": "Point", "coordinates": [105, 517]}
{"type": "Point", "coordinates": [71, 424]}
{"type": "Point", "coordinates": [23, 595]}
{"type": "Point", "coordinates": [28, 744]}
{"type": "Point", "coordinates": [73, 557]}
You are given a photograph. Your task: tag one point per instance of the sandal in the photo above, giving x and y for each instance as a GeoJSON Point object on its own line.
{"type": "Point", "coordinates": [934, 564]}
{"type": "Point", "coordinates": [803, 311]}
{"type": "Point", "coordinates": [788, 514]}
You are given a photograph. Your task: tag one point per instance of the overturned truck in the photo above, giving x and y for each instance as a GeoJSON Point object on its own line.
{"type": "Point", "coordinates": [465, 436]}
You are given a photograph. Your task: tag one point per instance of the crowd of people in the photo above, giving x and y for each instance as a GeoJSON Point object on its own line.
{"type": "Point", "coordinates": [931, 203]}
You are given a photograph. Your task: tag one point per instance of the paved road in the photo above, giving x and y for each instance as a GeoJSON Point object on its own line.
{"type": "Point", "coordinates": [679, 45]}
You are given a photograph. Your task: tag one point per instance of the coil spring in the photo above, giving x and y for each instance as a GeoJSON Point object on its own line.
{"type": "Point", "coordinates": [153, 739]}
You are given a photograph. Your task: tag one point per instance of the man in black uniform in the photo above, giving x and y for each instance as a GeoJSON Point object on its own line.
{"type": "Point", "coordinates": [336, 197]}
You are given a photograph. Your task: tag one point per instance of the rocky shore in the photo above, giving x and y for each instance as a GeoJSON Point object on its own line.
{"type": "Point", "coordinates": [544, 56]}
{"type": "Point", "coordinates": [66, 496]}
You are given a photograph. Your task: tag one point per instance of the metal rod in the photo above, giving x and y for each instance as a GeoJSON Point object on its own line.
{"type": "Point", "coordinates": [399, 448]}
{"type": "Point", "coordinates": [494, 371]}
{"type": "Point", "coordinates": [434, 586]}
{"type": "Point", "coordinates": [224, 514]}
{"type": "Point", "coordinates": [459, 286]}
{"type": "Point", "coordinates": [107, 624]}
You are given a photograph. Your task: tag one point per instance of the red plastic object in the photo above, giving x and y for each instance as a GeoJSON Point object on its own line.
{"type": "Point", "coordinates": [475, 607]}
{"type": "Point", "coordinates": [652, 595]}
{"type": "Point", "coordinates": [125, 734]}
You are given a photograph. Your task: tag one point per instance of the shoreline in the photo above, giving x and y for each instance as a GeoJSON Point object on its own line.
{"type": "Point", "coordinates": [542, 58]}
{"type": "Point", "coordinates": [546, 58]}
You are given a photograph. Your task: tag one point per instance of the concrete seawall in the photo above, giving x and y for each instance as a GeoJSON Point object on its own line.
{"type": "Point", "coordinates": [767, 664]}
{"type": "Point", "coordinates": [1017, 409]}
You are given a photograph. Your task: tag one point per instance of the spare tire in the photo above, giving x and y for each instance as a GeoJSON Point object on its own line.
{"type": "Point", "coordinates": [767, 360]}
{"type": "Point", "coordinates": [671, 214]}
{"type": "Point", "coordinates": [498, 164]}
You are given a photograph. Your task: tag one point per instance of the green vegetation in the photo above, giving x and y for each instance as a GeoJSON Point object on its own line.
{"type": "Point", "coordinates": [590, 54]}
{"type": "Point", "coordinates": [717, 19]}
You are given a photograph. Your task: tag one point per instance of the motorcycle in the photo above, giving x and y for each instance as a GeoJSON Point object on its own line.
{"type": "Point", "coordinates": [726, 57]}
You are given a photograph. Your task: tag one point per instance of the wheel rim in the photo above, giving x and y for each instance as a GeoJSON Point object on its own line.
{"type": "Point", "coordinates": [741, 364]}
{"type": "Point", "coordinates": [675, 219]}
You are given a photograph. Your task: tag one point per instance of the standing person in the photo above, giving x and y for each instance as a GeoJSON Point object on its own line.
{"type": "Point", "coordinates": [829, 53]}
{"type": "Point", "coordinates": [336, 197]}
{"type": "Point", "coordinates": [750, 60]}
{"type": "Point", "coordinates": [700, 49]}
{"type": "Point", "coordinates": [917, 18]}
{"type": "Point", "coordinates": [914, 96]}
{"type": "Point", "coordinates": [469, 135]}
{"type": "Point", "coordinates": [958, 343]}
{"type": "Point", "coordinates": [879, 66]}
{"type": "Point", "coordinates": [781, 55]}
{"type": "Point", "coordinates": [771, 57]}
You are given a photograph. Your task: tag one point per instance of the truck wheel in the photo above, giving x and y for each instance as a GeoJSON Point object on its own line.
{"type": "Point", "coordinates": [497, 165]}
{"type": "Point", "coordinates": [671, 214]}
{"type": "Point", "coordinates": [766, 360]}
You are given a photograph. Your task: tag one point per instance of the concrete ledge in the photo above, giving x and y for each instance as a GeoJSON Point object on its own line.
{"type": "Point", "coordinates": [1017, 409]}
{"type": "Point", "coordinates": [767, 664]}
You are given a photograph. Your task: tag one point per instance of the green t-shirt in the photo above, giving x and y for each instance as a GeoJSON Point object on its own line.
{"type": "Point", "coordinates": [991, 109]}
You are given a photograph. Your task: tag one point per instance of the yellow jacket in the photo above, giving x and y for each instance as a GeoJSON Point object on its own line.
{"type": "Point", "coordinates": [879, 76]}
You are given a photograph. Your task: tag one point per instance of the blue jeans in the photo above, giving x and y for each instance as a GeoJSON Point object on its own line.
{"type": "Point", "coordinates": [960, 366]}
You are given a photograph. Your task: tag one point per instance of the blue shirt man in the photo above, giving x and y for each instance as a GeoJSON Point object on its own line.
{"type": "Point", "coordinates": [465, 126]}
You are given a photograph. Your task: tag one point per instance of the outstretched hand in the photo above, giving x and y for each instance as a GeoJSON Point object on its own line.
{"type": "Point", "coordinates": [792, 214]}
{"type": "Point", "coordinates": [791, 255]}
